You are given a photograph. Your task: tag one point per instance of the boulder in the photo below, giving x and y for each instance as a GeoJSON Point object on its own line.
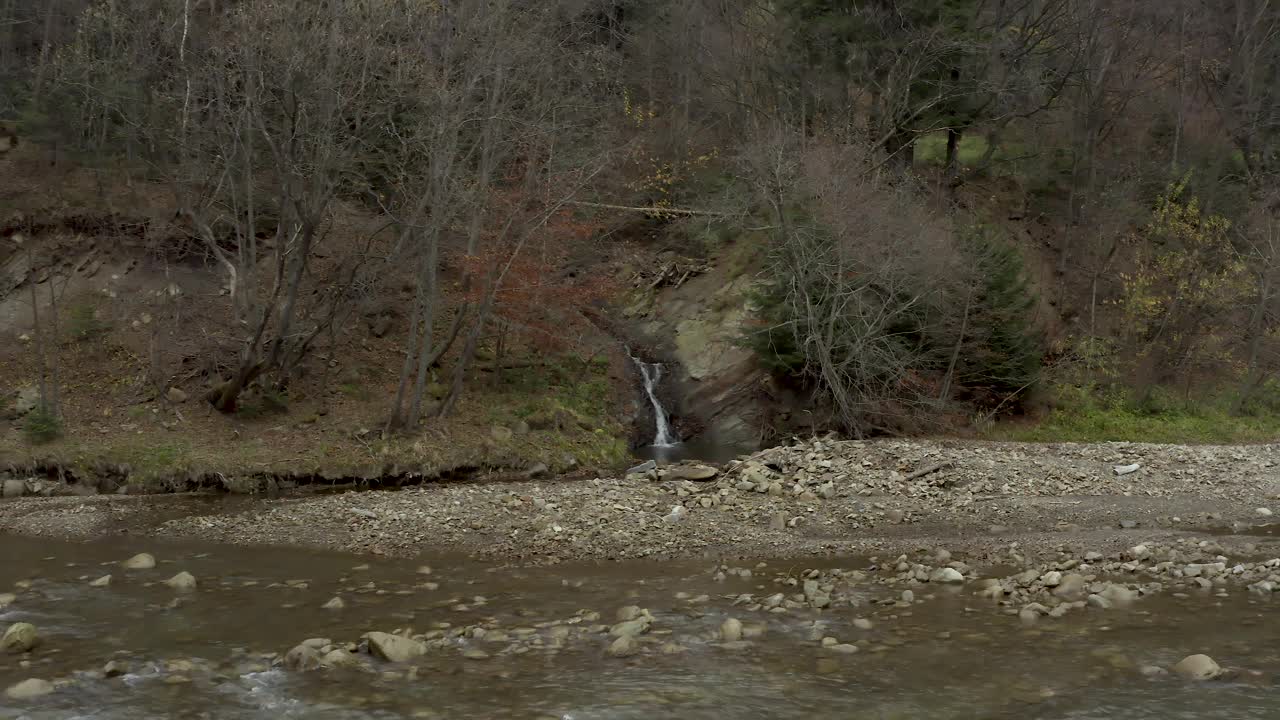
{"type": "Point", "coordinates": [395, 648]}
{"type": "Point", "coordinates": [141, 561]}
{"type": "Point", "coordinates": [29, 689]}
{"type": "Point", "coordinates": [340, 659]}
{"type": "Point", "coordinates": [632, 627]}
{"type": "Point", "coordinates": [624, 646]}
{"type": "Point", "coordinates": [302, 658]}
{"type": "Point", "coordinates": [1197, 668]}
{"type": "Point", "coordinates": [182, 581]}
{"type": "Point", "coordinates": [19, 638]}
{"type": "Point", "coordinates": [13, 488]}
{"type": "Point", "coordinates": [946, 575]}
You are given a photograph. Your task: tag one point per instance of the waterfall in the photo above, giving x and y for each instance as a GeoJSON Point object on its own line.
{"type": "Point", "coordinates": [652, 375]}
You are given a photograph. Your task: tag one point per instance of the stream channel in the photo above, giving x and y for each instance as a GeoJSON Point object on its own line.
{"type": "Point", "coordinates": [541, 651]}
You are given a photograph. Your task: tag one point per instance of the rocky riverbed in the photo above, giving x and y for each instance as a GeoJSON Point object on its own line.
{"type": "Point", "coordinates": [816, 498]}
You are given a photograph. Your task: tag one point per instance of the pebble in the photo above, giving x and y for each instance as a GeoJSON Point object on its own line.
{"type": "Point", "coordinates": [335, 603]}
{"type": "Point", "coordinates": [101, 582]}
{"type": "Point", "coordinates": [863, 624]}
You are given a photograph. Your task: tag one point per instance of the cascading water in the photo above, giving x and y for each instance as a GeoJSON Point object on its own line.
{"type": "Point", "coordinates": [652, 375]}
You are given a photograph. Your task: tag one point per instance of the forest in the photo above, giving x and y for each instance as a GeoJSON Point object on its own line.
{"type": "Point", "coordinates": [960, 212]}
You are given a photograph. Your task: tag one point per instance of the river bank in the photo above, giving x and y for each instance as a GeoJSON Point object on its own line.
{"type": "Point", "coordinates": [817, 498]}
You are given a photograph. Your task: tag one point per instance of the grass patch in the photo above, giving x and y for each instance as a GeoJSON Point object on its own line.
{"type": "Point", "coordinates": [84, 324]}
{"type": "Point", "coordinates": [1084, 416]}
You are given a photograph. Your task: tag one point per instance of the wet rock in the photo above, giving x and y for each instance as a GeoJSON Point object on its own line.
{"type": "Point", "coordinates": [394, 648]}
{"type": "Point", "coordinates": [335, 603]}
{"type": "Point", "coordinates": [115, 668]}
{"type": "Point", "coordinates": [339, 658]}
{"type": "Point", "coordinates": [1070, 585]}
{"type": "Point", "coordinates": [863, 624]}
{"type": "Point", "coordinates": [475, 654]}
{"type": "Point", "coordinates": [1119, 595]}
{"type": "Point", "coordinates": [672, 648]}
{"type": "Point", "coordinates": [101, 582]}
{"type": "Point", "coordinates": [7, 599]}
{"type": "Point", "coordinates": [1197, 668]}
{"type": "Point", "coordinates": [842, 648]}
{"type": "Point", "coordinates": [19, 638]}
{"type": "Point", "coordinates": [731, 630]}
{"type": "Point", "coordinates": [946, 575]}
{"type": "Point", "coordinates": [634, 627]}
{"type": "Point", "coordinates": [630, 612]}
{"type": "Point", "coordinates": [302, 658]}
{"type": "Point", "coordinates": [1099, 602]}
{"type": "Point", "coordinates": [182, 581]}
{"type": "Point", "coordinates": [141, 561]}
{"type": "Point", "coordinates": [29, 689]}
{"type": "Point", "coordinates": [624, 646]}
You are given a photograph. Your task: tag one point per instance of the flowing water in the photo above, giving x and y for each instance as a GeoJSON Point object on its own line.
{"type": "Point", "coordinates": [651, 374]}
{"type": "Point", "coordinates": [207, 653]}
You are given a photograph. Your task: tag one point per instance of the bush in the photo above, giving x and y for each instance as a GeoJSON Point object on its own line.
{"type": "Point", "coordinates": [41, 426]}
{"type": "Point", "coordinates": [84, 323]}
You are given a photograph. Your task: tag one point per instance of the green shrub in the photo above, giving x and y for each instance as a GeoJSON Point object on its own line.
{"type": "Point", "coordinates": [84, 324]}
{"type": "Point", "coordinates": [41, 426]}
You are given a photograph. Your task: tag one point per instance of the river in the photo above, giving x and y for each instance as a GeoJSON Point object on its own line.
{"type": "Point", "coordinates": [209, 653]}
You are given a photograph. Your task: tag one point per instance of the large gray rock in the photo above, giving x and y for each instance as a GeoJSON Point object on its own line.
{"type": "Point", "coordinates": [340, 659]}
{"type": "Point", "coordinates": [624, 646]}
{"type": "Point", "coordinates": [395, 648]}
{"type": "Point", "coordinates": [690, 471]}
{"type": "Point", "coordinates": [1198, 668]}
{"type": "Point", "coordinates": [19, 638]}
{"type": "Point", "coordinates": [946, 575]}
{"type": "Point", "coordinates": [29, 689]}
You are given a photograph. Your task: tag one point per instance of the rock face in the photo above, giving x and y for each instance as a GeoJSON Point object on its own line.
{"type": "Point", "coordinates": [182, 581]}
{"type": "Point", "coordinates": [19, 638]}
{"type": "Point", "coordinates": [1198, 668]}
{"type": "Point", "coordinates": [141, 561]}
{"type": "Point", "coordinates": [29, 689]}
{"type": "Point", "coordinates": [395, 648]}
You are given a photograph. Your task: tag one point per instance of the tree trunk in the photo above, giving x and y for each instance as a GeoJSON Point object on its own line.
{"type": "Point", "coordinates": [429, 274]}
{"type": "Point", "coordinates": [464, 360]}
{"type": "Point", "coordinates": [953, 148]}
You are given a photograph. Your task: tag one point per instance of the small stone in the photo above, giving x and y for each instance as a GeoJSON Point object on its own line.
{"type": "Point", "coordinates": [778, 521]}
{"type": "Point", "coordinates": [176, 396]}
{"type": "Point", "coordinates": [335, 603]}
{"type": "Point", "coordinates": [1126, 469]}
{"type": "Point", "coordinates": [29, 689]}
{"type": "Point", "coordinates": [1198, 668]}
{"type": "Point", "coordinates": [1099, 602]}
{"type": "Point", "coordinates": [630, 612]}
{"type": "Point", "coordinates": [475, 654]}
{"type": "Point", "coordinates": [1128, 524]}
{"type": "Point", "coordinates": [731, 630]}
{"type": "Point", "coordinates": [101, 582]}
{"type": "Point", "coordinates": [678, 513]}
{"type": "Point", "coordinates": [843, 648]}
{"type": "Point", "coordinates": [141, 561]}
{"type": "Point", "coordinates": [1263, 512]}
{"type": "Point", "coordinates": [182, 581]}
{"type": "Point", "coordinates": [863, 624]}
{"type": "Point", "coordinates": [19, 638]}
{"type": "Point", "coordinates": [908, 596]}
{"type": "Point", "coordinates": [115, 668]}
{"type": "Point", "coordinates": [637, 626]}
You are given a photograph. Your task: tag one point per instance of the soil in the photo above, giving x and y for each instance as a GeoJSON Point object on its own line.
{"type": "Point", "coordinates": [833, 498]}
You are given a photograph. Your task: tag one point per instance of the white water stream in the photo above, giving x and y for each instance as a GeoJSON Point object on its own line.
{"type": "Point", "coordinates": [652, 375]}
